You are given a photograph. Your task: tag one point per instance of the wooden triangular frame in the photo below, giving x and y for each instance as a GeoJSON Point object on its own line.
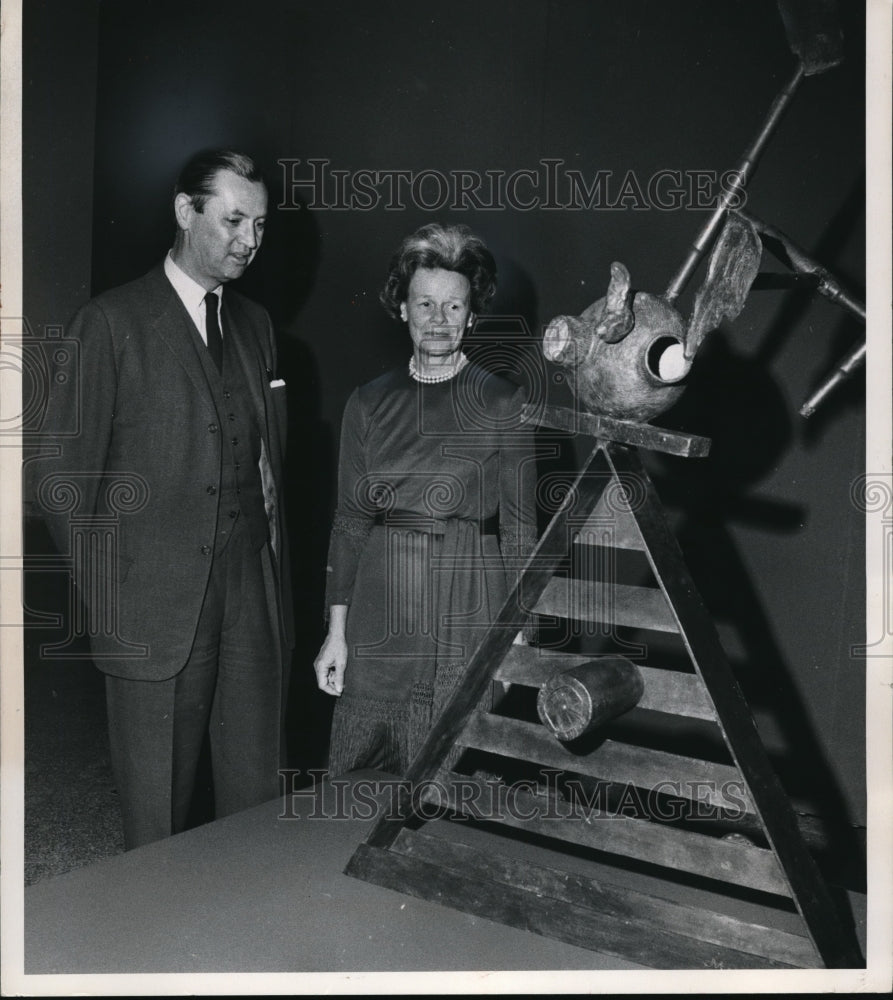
{"type": "Point", "coordinates": [565, 904]}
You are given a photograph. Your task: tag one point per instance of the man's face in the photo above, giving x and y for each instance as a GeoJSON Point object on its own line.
{"type": "Point", "coordinates": [220, 242]}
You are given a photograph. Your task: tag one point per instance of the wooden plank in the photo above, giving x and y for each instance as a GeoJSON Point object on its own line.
{"type": "Point", "coordinates": [637, 941]}
{"type": "Point", "coordinates": [835, 941]}
{"type": "Point", "coordinates": [612, 604]}
{"type": "Point", "coordinates": [614, 902]}
{"type": "Point", "coordinates": [655, 842]}
{"type": "Point", "coordinates": [672, 692]}
{"type": "Point", "coordinates": [687, 777]}
{"type": "Point", "coordinates": [668, 691]}
{"type": "Point", "coordinates": [532, 666]}
{"type": "Point", "coordinates": [611, 524]}
{"type": "Point", "coordinates": [578, 421]}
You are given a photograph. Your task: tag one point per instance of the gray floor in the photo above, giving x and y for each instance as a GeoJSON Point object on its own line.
{"type": "Point", "coordinates": [254, 893]}
{"type": "Point", "coordinates": [265, 890]}
{"type": "Point", "coordinates": [71, 809]}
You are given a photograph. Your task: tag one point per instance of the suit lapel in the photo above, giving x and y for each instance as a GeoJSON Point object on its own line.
{"type": "Point", "coordinates": [174, 327]}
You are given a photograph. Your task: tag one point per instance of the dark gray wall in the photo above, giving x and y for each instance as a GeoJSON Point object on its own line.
{"type": "Point", "coordinates": [767, 523]}
{"type": "Point", "coordinates": [59, 70]}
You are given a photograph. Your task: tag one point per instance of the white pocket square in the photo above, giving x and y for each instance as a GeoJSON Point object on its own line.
{"type": "Point", "coordinates": [277, 382]}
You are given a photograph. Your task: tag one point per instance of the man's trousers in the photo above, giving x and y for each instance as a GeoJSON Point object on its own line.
{"type": "Point", "coordinates": [230, 688]}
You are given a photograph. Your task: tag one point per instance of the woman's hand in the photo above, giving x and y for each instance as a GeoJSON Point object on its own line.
{"type": "Point", "coordinates": [331, 661]}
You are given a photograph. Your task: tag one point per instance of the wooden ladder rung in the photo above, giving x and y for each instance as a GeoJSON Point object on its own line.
{"type": "Point", "coordinates": [585, 912]}
{"type": "Point", "coordinates": [669, 691]}
{"type": "Point", "coordinates": [611, 526]}
{"type": "Point", "coordinates": [651, 841]}
{"type": "Point", "coordinates": [612, 604]}
{"type": "Point", "coordinates": [622, 763]}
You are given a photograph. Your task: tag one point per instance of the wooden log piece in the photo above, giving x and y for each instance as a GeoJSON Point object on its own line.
{"type": "Point", "coordinates": [584, 697]}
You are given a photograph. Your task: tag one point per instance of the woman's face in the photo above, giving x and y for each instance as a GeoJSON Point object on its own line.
{"type": "Point", "coordinates": [437, 310]}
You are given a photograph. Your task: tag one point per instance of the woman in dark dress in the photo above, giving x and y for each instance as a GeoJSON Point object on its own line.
{"type": "Point", "coordinates": [435, 511]}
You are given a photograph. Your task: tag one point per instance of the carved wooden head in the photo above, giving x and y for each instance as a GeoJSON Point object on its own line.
{"type": "Point", "coordinates": [627, 355]}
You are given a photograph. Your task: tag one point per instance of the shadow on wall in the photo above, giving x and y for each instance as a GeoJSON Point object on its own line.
{"type": "Point", "coordinates": [283, 279]}
{"type": "Point", "coordinates": [737, 403]}
{"type": "Point", "coordinates": [285, 271]}
{"type": "Point", "coordinates": [309, 474]}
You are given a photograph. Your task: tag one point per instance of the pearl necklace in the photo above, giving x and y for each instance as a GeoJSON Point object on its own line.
{"type": "Point", "coordinates": [450, 372]}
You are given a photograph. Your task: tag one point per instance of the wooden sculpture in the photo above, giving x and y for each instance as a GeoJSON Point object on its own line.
{"type": "Point", "coordinates": [628, 354]}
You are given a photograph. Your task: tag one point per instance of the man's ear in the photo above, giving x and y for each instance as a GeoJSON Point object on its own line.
{"type": "Point", "coordinates": [183, 210]}
{"type": "Point", "coordinates": [403, 311]}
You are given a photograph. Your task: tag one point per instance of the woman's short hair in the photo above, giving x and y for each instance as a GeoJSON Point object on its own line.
{"type": "Point", "coordinates": [450, 248]}
{"type": "Point", "coordinates": [197, 177]}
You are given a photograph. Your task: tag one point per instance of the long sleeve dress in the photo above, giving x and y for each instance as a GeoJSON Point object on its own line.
{"type": "Point", "coordinates": [435, 515]}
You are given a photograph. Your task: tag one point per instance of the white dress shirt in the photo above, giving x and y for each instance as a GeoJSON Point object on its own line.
{"type": "Point", "coordinates": [192, 295]}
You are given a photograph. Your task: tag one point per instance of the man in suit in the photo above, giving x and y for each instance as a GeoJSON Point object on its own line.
{"type": "Point", "coordinates": [180, 425]}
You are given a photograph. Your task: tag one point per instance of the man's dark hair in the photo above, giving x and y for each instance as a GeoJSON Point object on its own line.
{"type": "Point", "coordinates": [197, 177]}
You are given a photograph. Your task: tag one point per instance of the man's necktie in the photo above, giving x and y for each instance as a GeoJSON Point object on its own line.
{"type": "Point", "coordinates": [212, 328]}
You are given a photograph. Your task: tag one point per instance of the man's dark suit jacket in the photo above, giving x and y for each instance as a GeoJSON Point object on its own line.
{"type": "Point", "coordinates": [148, 451]}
